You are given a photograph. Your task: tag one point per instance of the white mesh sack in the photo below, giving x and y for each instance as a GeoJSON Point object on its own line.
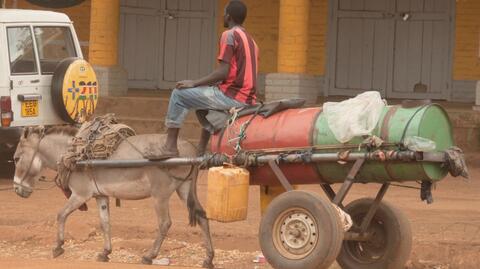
{"type": "Point", "coordinates": [354, 117]}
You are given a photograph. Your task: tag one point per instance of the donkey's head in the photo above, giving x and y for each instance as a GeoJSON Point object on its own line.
{"type": "Point", "coordinates": [28, 163]}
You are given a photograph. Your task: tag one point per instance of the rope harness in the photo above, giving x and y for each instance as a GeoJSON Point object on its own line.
{"type": "Point", "coordinates": [242, 135]}
{"type": "Point", "coordinates": [97, 139]}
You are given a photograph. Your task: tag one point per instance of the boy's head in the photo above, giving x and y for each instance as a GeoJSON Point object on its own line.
{"type": "Point", "coordinates": [235, 13]}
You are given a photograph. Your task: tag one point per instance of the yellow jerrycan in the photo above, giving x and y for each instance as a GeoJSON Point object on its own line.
{"type": "Point", "coordinates": [227, 196]}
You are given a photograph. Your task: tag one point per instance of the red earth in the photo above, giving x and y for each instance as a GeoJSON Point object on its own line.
{"type": "Point", "coordinates": [446, 234]}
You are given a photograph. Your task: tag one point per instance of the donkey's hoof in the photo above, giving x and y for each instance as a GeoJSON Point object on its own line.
{"type": "Point", "coordinates": [208, 264]}
{"type": "Point", "coordinates": [57, 251]}
{"type": "Point", "coordinates": [101, 257]}
{"type": "Point", "coordinates": [146, 260]}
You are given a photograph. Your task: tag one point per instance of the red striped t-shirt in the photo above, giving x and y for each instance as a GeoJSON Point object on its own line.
{"type": "Point", "coordinates": [238, 49]}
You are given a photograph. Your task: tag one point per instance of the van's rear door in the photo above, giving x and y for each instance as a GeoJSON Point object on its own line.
{"type": "Point", "coordinates": [34, 51]}
{"type": "Point", "coordinates": [24, 75]}
{"type": "Point", "coordinates": [54, 43]}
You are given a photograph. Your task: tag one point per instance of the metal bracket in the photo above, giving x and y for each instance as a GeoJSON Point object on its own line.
{"type": "Point", "coordinates": [328, 191]}
{"type": "Point", "coordinates": [373, 208]}
{"type": "Point", "coordinates": [347, 184]}
{"type": "Point", "coordinates": [281, 177]}
{"type": "Point", "coordinates": [29, 97]}
{"type": "Point", "coordinates": [434, 157]}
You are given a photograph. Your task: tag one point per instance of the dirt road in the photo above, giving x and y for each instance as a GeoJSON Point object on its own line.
{"type": "Point", "coordinates": [58, 264]}
{"type": "Point", "coordinates": [446, 233]}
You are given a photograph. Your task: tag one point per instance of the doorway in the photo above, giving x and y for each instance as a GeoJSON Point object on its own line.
{"type": "Point", "coordinates": [164, 41]}
{"type": "Point", "coordinates": [402, 48]}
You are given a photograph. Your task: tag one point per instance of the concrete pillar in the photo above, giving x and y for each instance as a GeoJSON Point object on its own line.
{"type": "Point", "coordinates": [293, 36]}
{"type": "Point", "coordinates": [103, 49]}
{"type": "Point", "coordinates": [291, 81]}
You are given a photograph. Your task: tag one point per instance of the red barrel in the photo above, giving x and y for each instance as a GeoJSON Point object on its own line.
{"type": "Point", "coordinates": [290, 128]}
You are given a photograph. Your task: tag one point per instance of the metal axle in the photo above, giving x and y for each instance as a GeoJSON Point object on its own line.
{"type": "Point", "coordinates": [254, 159]}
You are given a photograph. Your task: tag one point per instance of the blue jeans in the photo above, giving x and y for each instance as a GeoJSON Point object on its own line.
{"type": "Point", "coordinates": [204, 97]}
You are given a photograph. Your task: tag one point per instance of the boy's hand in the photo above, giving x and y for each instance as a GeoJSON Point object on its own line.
{"type": "Point", "coordinates": [185, 84]}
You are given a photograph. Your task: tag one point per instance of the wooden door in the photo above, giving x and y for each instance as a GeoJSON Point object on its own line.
{"type": "Point", "coordinates": [360, 50]}
{"type": "Point", "coordinates": [401, 48]}
{"type": "Point", "coordinates": [140, 41]}
{"type": "Point", "coordinates": [189, 47]}
{"type": "Point", "coordinates": [422, 60]}
{"type": "Point", "coordinates": [163, 41]}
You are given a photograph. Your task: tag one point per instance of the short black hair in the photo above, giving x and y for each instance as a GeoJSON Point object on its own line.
{"type": "Point", "coordinates": [237, 10]}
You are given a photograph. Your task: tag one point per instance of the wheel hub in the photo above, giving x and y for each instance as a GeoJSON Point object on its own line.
{"type": "Point", "coordinates": [372, 249]}
{"type": "Point", "coordinates": [296, 233]}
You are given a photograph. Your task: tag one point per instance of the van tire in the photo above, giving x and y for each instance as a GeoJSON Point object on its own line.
{"type": "Point", "coordinates": [56, 3]}
{"type": "Point", "coordinates": [57, 88]}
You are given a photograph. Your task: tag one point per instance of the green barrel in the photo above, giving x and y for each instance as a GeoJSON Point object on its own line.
{"type": "Point", "coordinates": [396, 122]}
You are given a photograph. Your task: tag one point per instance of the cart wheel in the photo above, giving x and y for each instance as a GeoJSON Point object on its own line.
{"type": "Point", "coordinates": [390, 244]}
{"type": "Point", "coordinates": [300, 230]}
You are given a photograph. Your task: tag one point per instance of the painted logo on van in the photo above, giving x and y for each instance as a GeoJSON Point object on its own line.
{"type": "Point", "coordinates": [80, 91]}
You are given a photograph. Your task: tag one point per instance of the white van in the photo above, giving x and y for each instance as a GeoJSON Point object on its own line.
{"type": "Point", "coordinates": [32, 46]}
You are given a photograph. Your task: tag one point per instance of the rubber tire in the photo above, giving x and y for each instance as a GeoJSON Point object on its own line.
{"type": "Point", "coordinates": [57, 88]}
{"type": "Point", "coordinates": [56, 3]}
{"type": "Point", "coordinates": [399, 236]}
{"type": "Point", "coordinates": [329, 229]}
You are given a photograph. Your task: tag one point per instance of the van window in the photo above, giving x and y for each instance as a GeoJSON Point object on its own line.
{"type": "Point", "coordinates": [54, 44]}
{"type": "Point", "coordinates": [21, 50]}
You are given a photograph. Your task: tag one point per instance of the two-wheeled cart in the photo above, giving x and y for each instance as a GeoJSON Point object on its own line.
{"type": "Point", "coordinates": [301, 229]}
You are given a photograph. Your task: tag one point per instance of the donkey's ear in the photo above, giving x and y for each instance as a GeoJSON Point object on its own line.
{"type": "Point", "coordinates": [26, 132]}
{"type": "Point", "coordinates": [40, 129]}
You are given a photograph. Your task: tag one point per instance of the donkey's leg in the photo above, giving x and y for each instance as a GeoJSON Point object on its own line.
{"type": "Point", "coordinates": [103, 204]}
{"type": "Point", "coordinates": [183, 193]}
{"type": "Point", "coordinates": [73, 203]}
{"type": "Point", "coordinates": [205, 227]}
{"type": "Point", "coordinates": [164, 223]}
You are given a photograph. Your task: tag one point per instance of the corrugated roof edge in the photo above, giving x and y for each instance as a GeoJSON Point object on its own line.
{"type": "Point", "coordinates": [25, 15]}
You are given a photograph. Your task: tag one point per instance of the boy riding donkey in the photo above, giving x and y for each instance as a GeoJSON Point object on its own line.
{"type": "Point", "coordinates": [231, 85]}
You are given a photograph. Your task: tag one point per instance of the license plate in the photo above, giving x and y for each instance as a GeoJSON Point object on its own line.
{"type": "Point", "coordinates": [30, 108]}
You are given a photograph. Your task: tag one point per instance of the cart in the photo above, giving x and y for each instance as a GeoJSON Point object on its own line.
{"type": "Point", "coordinates": [301, 229]}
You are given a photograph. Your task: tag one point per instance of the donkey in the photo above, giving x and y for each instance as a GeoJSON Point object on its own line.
{"type": "Point", "coordinates": [39, 148]}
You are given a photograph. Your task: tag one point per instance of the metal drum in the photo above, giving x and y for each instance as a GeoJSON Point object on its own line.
{"type": "Point", "coordinates": [308, 127]}
{"type": "Point", "coordinates": [290, 128]}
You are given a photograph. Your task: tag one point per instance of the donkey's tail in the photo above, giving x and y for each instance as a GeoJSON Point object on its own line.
{"type": "Point", "coordinates": [195, 209]}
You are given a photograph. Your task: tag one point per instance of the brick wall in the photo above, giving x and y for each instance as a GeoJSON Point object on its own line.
{"type": "Point", "coordinates": [467, 36]}
{"type": "Point", "coordinates": [80, 15]}
{"type": "Point", "coordinates": [293, 36]}
{"type": "Point", "coordinates": [262, 24]}
{"type": "Point", "coordinates": [318, 37]}
{"type": "Point", "coordinates": [104, 27]}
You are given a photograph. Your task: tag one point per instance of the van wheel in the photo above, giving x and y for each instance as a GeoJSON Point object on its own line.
{"type": "Point", "coordinates": [300, 230]}
{"type": "Point", "coordinates": [56, 3]}
{"type": "Point", "coordinates": [74, 90]}
{"type": "Point", "coordinates": [390, 239]}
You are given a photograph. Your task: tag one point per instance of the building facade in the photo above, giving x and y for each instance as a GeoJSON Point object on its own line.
{"type": "Point", "coordinates": [412, 49]}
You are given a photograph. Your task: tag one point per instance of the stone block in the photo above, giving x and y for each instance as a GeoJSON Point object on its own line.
{"type": "Point", "coordinates": [261, 84]}
{"type": "Point", "coordinates": [282, 85]}
{"type": "Point", "coordinates": [113, 81]}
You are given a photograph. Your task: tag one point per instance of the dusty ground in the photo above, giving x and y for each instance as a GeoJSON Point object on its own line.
{"type": "Point", "coordinates": [446, 233]}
